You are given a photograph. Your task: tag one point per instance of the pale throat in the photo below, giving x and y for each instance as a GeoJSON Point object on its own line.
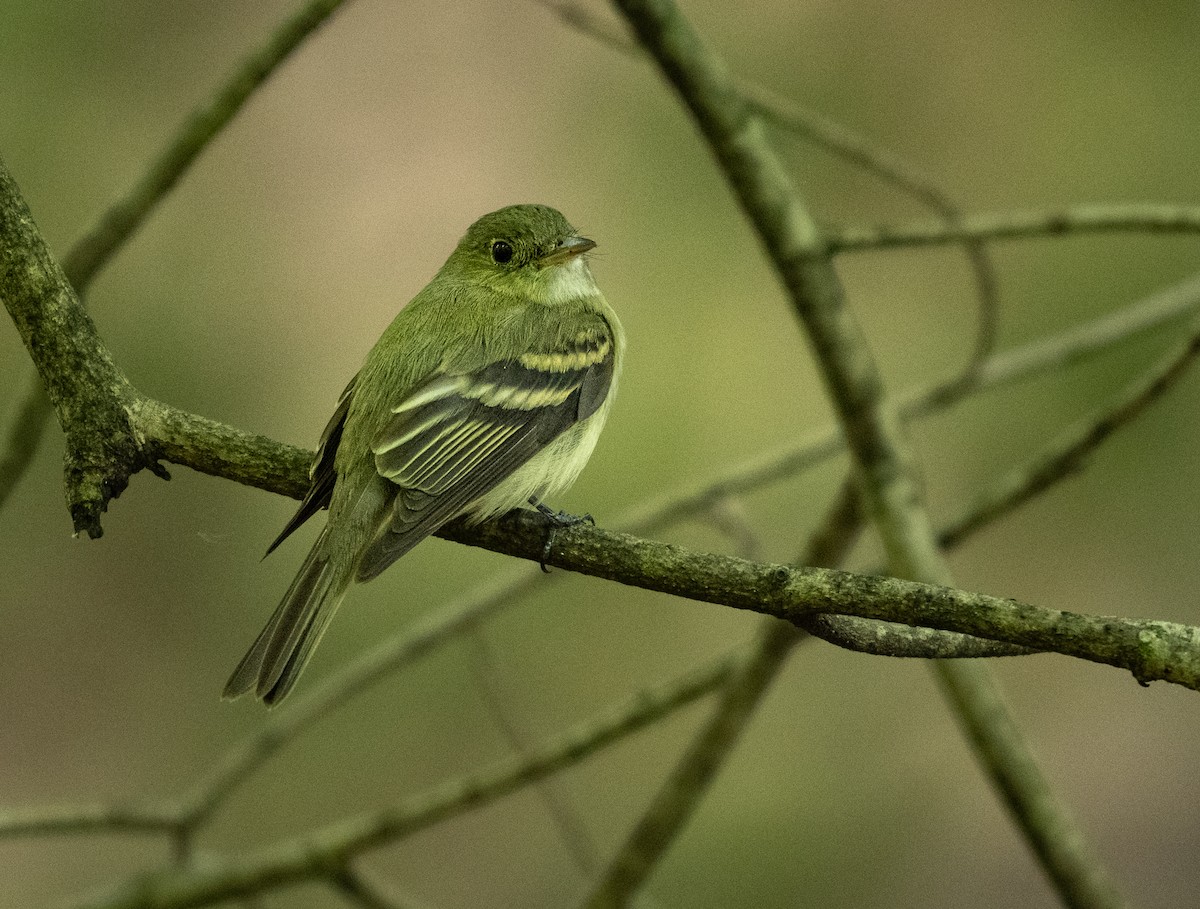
{"type": "Point", "coordinates": [568, 281]}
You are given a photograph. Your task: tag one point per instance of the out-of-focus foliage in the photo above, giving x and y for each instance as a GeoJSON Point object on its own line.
{"type": "Point", "coordinates": [253, 293]}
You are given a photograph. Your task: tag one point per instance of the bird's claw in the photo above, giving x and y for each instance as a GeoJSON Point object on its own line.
{"type": "Point", "coordinates": [556, 520]}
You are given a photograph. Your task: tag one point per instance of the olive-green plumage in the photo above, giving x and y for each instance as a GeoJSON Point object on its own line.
{"type": "Point", "coordinates": [487, 391]}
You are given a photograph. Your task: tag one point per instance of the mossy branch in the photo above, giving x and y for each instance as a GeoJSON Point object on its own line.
{"type": "Point", "coordinates": [121, 220]}
{"type": "Point", "coordinates": [113, 432]}
{"type": "Point", "coordinates": [92, 398]}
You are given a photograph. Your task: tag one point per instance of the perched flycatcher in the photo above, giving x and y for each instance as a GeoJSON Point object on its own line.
{"type": "Point", "coordinates": [486, 392]}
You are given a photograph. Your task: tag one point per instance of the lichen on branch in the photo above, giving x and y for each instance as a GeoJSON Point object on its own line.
{"type": "Point", "coordinates": [92, 398]}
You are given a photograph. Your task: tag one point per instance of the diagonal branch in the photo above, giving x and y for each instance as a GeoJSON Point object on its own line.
{"type": "Point", "coordinates": [886, 471]}
{"type": "Point", "coordinates": [96, 247]}
{"type": "Point", "coordinates": [1072, 346]}
{"type": "Point", "coordinates": [324, 852]}
{"type": "Point", "coordinates": [24, 432]}
{"type": "Point", "coordinates": [1067, 452]}
{"type": "Point", "coordinates": [116, 225]}
{"type": "Point", "coordinates": [680, 794]}
{"type": "Point", "coordinates": [808, 125]}
{"type": "Point", "coordinates": [363, 890]}
{"type": "Point", "coordinates": [198, 805]}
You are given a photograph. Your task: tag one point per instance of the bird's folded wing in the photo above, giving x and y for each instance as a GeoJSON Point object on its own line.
{"type": "Point", "coordinates": [459, 435]}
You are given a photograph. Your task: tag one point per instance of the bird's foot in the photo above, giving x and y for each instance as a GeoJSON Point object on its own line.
{"type": "Point", "coordinates": [554, 521]}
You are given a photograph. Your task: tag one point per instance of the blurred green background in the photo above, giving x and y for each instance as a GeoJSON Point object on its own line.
{"type": "Point", "coordinates": [253, 293]}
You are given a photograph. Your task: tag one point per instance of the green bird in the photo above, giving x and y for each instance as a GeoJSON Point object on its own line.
{"type": "Point", "coordinates": [486, 392]}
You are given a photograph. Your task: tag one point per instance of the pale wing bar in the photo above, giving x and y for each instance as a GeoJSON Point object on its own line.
{"type": "Point", "coordinates": [458, 437]}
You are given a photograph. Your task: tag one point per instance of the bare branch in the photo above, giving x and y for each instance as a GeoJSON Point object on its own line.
{"type": "Point", "coordinates": [1067, 453]}
{"type": "Point", "coordinates": [363, 890]}
{"type": "Point", "coordinates": [1151, 650]}
{"type": "Point", "coordinates": [86, 819]}
{"type": "Point", "coordinates": [888, 484]}
{"type": "Point", "coordinates": [98, 245]}
{"type": "Point", "coordinates": [223, 451]}
{"type": "Point", "coordinates": [1079, 876]}
{"type": "Point", "coordinates": [1021, 225]}
{"type": "Point", "coordinates": [326, 851]}
{"type": "Point", "coordinates": [682, 791]}
{"type": "Point", "coordinates": [280, 727]}
{"type": "Point", "coordinates": [573, 832]}
{"type": "Point", "coordinates": [808, 125]}
{"type": "Point", "coordinates": [1075, 345]}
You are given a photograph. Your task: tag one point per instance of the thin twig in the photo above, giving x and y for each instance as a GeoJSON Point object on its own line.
{"type": "Point", "coordinates": [1072, 346]}
{"type": "Point", "coordinates": [572, 830]}
{"type": "Point", "coordinates": [808, 125]}
{"type": "Point", "coordinates": [319, 853]}
{"type": "Point", "coordinates": [280, 727]}
{"type": "Point", "coordinates": [114, 228]}
{"type": "Point", "coordinates": [86, 819]}
{"type": "Point", "coordinates": [363, 890]}
{"type": "Point", "coordinates": [1020, 225]}
{"type": "Point", "coordinates": [1068, 451]}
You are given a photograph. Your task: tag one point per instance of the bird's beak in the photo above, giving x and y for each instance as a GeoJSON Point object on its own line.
{"type": "Point", "coordinates": [567, 250]}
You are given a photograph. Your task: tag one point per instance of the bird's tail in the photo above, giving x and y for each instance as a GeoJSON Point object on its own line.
{"type": "Point", "coordinates": [283, 648]}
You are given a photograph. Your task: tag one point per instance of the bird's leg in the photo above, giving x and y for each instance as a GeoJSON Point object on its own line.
{"type": "Point", "coordinates": [555, 520]}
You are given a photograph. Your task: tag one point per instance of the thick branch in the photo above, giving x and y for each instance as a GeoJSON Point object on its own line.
{"type": "Point", "coordinates": [223, 451]}
{"type": "Point", "coordinates": [90, 395]}
{"type": "Point", "coordinates": [888, 482]}
{"type": "Point", "coordinates": [1151, 650]}
{"type": "Point", "coordinates": [122, 219]}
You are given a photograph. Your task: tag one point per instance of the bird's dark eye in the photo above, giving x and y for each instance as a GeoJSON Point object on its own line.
{"type": "Point", "coordinates": [502, 252]}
